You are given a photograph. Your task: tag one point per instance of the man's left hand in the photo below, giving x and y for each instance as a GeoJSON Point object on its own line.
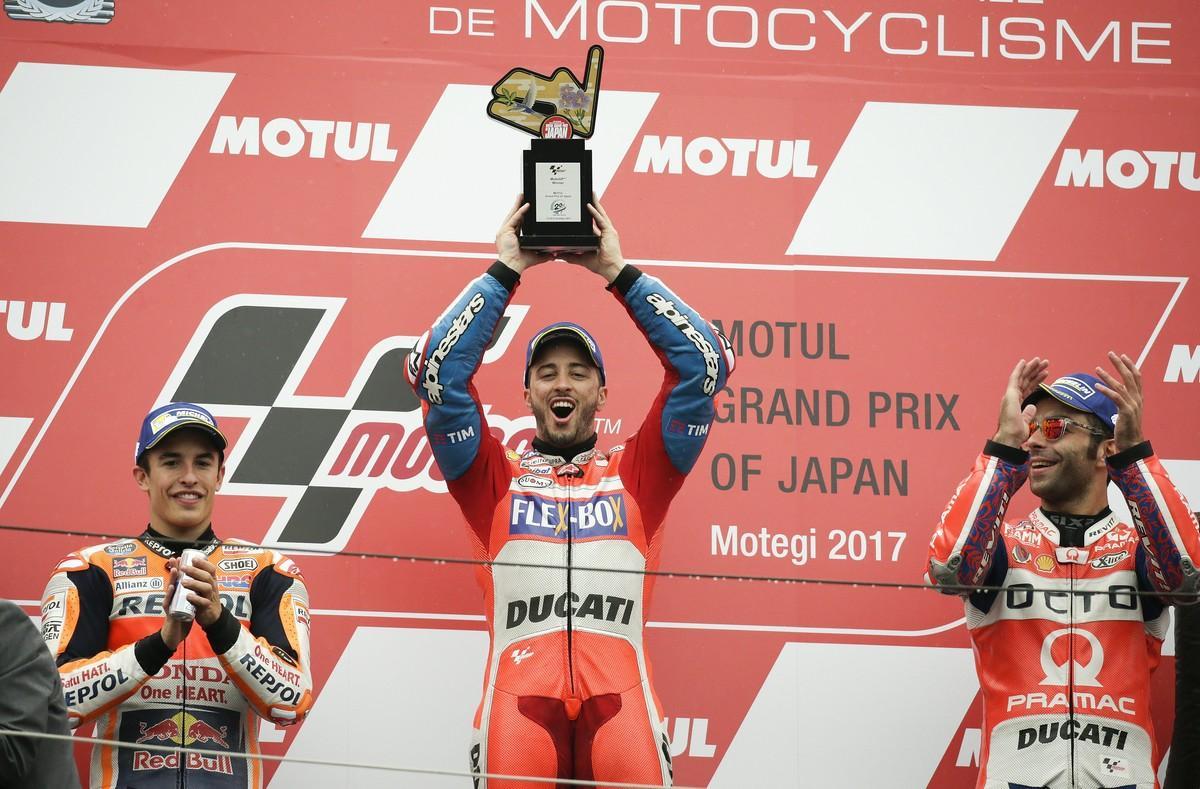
{"type": "Point", "coordinates": [606, 260]}
{"type": "Point", "coordinates": [1126, 393]}
{"type": "Point", "coordinates": [201, 582]}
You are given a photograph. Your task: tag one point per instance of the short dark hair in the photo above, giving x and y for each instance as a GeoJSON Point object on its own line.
{"type": "Point", "coordinates": [1096, 439]}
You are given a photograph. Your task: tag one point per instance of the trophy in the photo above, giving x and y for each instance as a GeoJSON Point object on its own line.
{"type": "Point", "coordinates": [560, 112]}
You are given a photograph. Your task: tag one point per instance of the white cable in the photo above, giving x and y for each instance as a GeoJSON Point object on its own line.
{"type": "Point", "coordinates": [324, 763]}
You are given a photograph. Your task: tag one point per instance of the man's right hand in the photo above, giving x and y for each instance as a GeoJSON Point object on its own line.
{"type": "Point", "coordinates": [1012, 428]}
{"type": "Point", "coordinates": [508, 246]}
{"type": "Point", "coordinates": [173, 631]}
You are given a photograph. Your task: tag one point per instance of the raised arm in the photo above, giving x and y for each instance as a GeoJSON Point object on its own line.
{"type": "Point", "coordinates": [965, 542]}
{"type": "Point", "coordinates": [441, 368]}
{"type": "Point", "coordinates": [697, 361]}
{"type": "Point", "coordinates": [1170, 538]}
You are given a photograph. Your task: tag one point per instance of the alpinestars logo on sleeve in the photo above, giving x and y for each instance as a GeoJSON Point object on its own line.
{"type": "Point", "coordinates": [325, 455]}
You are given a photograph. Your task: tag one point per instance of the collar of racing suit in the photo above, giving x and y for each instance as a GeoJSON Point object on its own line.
{"type": "Point", "coordinates": [579, 453]}
{"type": "Point", "coordinates": [169, 546]}
{"type": "Point", "coordinates": [1071, 528]}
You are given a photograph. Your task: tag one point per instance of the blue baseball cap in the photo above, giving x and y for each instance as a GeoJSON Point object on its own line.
{"type": "Point", "coordinates": [569, 331]}
{"type": "Point", "coordinates": [166, 419]}
{"type": "Point", "coordinates": [1078, 390]}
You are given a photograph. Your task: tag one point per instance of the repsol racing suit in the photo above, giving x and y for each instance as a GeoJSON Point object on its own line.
{"type": "Point", "coordinates": [567, 692]}
{"type": "Point", "coordinates": [101, 615]}
{"type": "Point", "coordinates": [1065, 652]}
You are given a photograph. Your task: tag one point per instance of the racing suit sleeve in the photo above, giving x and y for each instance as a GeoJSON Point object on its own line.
{"type": "Point", "coordinates": [441, 368]}
{"type": "Point", "coordinates": [1170, 544]}
{"type": "Point", "coordinates": [75, 611]}
{"type": "Point", "coordinates": [268, 660]}
{"type": "Point", "coordinates": [697, 361]}
{"type": "Point", "coordinates": [965, 544]}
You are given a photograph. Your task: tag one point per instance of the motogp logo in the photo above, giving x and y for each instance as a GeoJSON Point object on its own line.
{"type": "Point", "coordinates": [326, 456]}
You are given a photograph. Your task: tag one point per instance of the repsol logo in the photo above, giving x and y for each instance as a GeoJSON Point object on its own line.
{"type": "Point", "coordinates": [1119, 596]}
{"type": "Point", "coordinates": [1046, 733]}
{"type": "Point", "coordinates": [600, 516]}
{"type": "Point", "coordinates": [666, 308]}
{"type": "Point", "coordinates": [285, 137]}
{"type": "Point", "coordinates": [92, 690]}
{"type": "Point", "coordinates": [608, 608]}
{"type": "Point", "coordinates": [152, 605]}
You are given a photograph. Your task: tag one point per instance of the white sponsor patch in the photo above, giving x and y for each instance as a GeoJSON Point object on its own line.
{"type": "Point", "coordinates": [233, 565]}
{"type": "Point", "coordinates": [54, 608]}
{"type": "Point", "coordinates": [233, 550]}
{"type": "Point", "coordinates": [120, 548]}
{"type": "Point", "coordinates": [138, 585]}
{"type": "Point", "coordinates": [531, 481]}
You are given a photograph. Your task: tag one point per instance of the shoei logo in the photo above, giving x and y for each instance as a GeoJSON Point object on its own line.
{"type": "Point", "coordinates": [1085, 675]}
{"type": "Point", "coordinates": [1074, 385]}
{"type": "Point", "coordinates": [326, 456]}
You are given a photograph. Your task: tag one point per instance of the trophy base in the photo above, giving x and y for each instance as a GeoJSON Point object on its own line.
{"type": "Point", "coordinates": [558, 187]}
{"type": "Point", "coordinates": [572, 243]}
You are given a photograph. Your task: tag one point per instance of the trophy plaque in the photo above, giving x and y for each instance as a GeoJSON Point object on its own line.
{"type": "Point", "coordinates": [560, 112]}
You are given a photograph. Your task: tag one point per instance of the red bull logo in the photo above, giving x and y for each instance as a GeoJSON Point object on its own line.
{"type": "Point", "coordinates": [144, 760]}
{"type": "Point", "coordinates": [130, 565]}
{"type": "Point", "coordinates": [201, 732]}
{"type": "Point", "coordinates": [163, 731]}
{"type": "Point", "coordinates": [183, 729]}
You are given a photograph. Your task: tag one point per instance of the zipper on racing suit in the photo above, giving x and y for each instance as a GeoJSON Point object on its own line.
{"type": "Point", "coordinates": [569, 473]}
{"type": "Point", "coordinates": [1071, 673]}
{"type": "Point", "coordinates": [570, 609]}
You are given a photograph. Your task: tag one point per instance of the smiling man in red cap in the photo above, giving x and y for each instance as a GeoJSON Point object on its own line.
{"type": "Point", "coordinates": [1072, 626]}
{"type": "Point", "coordinates": [567, 692]}
{"type": "Point", "coordinates": [147, 678]}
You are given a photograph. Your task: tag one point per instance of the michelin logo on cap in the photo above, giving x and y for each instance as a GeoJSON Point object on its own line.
{"type": "Point", "coordinates": [162, 420]}
{"type": "Point", "coordinates": [1080, 388]}
{"type": "Point", "coordinates": [172, 416]}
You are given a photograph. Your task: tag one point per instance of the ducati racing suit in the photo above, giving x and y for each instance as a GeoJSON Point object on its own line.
{"type": "Point", "coordinates": [1065, 652]}
{"type": "Point", "coordinates": [567, 691]}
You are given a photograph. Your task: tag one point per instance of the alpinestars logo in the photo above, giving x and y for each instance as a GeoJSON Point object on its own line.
{"type": "Point", "coordinates": [433, 365]}
{"type": "Point", "coordinates": [326, 456]}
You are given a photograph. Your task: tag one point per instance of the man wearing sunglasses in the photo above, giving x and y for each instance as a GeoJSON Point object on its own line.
{"type": "Point", "coordinates": [1067, 608]}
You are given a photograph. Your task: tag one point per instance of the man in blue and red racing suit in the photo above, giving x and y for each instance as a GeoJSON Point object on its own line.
{"type": "Point", "coordinates": [147, 679]}
{"type": "Point", "coordinates": [567, 691]}
{"type": "Point", "coordinates": [1065, 648]}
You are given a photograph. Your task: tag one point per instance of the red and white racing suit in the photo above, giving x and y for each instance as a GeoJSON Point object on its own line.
{"type": "Point", "coordinates": [568, 690]}
{"type": "Point", "coordinates": [1065, 652]}
{"type": "Point", "coordinates": [101, 615]}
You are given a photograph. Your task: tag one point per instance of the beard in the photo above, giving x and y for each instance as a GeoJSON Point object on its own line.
{"type": "Point", "coordinates": [1072, 475]}
{"type": "Point", "coordinates": [578, 428]}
